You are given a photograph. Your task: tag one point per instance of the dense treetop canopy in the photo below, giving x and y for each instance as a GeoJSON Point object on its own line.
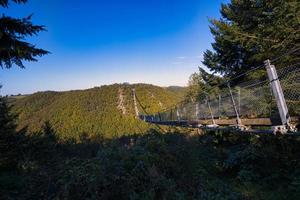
{"type": "Point", "coordinates": [13, 31]}
{"type": "Point", "coordinates": [95, 111]}
{"type": "Point", "coordinates": [5, 3]}
{"type": "Point", "coordinates": [250, 32]}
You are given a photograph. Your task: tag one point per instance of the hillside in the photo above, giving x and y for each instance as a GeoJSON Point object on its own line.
{"type": "Point", "coordinates": [106, 111]}
{"type": "Point", "coordinates": [178, 89]}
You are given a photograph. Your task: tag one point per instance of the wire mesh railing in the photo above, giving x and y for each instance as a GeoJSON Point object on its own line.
{"type": "Point", "coordinates": [290, 81]}
{"type": "Point", "coordinates": [257, 98]}
{"type": "Point", "coordinates": [252, 100]}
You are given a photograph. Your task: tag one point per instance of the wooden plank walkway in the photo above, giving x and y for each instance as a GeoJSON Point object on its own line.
{"type": "Point", "coordinates": [224, 122]}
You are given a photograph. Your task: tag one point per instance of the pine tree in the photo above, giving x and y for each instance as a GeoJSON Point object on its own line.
{"type": "Point", "coordinates": [13, 47]}
{"type": "Point", "coordinates": [8, 137]}
{"type": "Point", "coordinates": [250, 32]}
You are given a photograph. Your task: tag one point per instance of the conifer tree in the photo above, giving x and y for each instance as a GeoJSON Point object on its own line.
{"type": "Point", "coordinates": [13, 31]}
{"type": "Point", "coordinates": [251, 31]}
{"type": "Point", "coordinates": [8, 153]}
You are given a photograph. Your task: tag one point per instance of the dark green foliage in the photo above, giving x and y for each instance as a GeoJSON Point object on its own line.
{"type": "Point", "coordinates": [250, 32]}
{"type": "Point", "coordinates": [94, 111]}
{"type": "Point", "coordinates": [181, 91]}
{"type": "Point", "coordinates": [5, 3]}
{"type": "Point", "coordinates": [221, 165]}
{"type": "Point", "coordinates": [8, 139]}
{"type": "Point", "coordinates": [217, 165]}
{"type": "Point", "coordinates": [202, 84]}
{"type": "Point", "coordinates": [14, 50]}
{"type": "Point", "coordinates": [7, 119]}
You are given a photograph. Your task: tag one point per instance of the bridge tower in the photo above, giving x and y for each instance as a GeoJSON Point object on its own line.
{"type": "Point", "coordinates": [280, 100]}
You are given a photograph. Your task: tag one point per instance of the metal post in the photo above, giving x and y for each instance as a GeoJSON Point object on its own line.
{"type": "Point", "coordinates": [177, 114]}
{"type": "Point", "coordinates": [280, 100]}
{"type": "Point", "coordinates": [205, 114]}
{"type": "Point", "coordinates": [238, 120]}
{"type": "Point", "coordinates": [198, 114]}
{"type": "Point", "coordinates": [159, 117]}
{"type": "Point", "coordinates": [197, 110]}
{"type": "Point", "coordinates": [219, 108]}
{"type": "Point", "coordinates": [211, 113]}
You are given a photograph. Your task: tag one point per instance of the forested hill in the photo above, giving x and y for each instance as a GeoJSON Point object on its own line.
{"type": "Point", "coordinates": [106, 111]}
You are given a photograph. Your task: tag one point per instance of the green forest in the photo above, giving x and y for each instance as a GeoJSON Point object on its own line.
{"type": "Point", "coordinates": [95, 112]}
{"type": "Point", "coordinates": [89, 144]}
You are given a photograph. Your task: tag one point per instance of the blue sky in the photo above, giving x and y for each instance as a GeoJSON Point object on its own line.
{"type": "Point", "coordinates": [97, 42]}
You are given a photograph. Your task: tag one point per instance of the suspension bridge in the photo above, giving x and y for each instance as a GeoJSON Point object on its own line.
{"type": "Point", "coordinates": [267, 104]}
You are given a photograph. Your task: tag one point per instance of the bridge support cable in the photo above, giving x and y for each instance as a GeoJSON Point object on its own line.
{"type": "Point", "coordinates": [146, 117]}
{"type": "Point", "coordinates": [197, 110]}
{"type": "Point", "coordinates": [212, 115]}
{"type": "Point", "coordinates": [239, 124]}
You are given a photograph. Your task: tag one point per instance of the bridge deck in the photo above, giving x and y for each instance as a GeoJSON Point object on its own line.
{"type": "Point", "coordinates": [223, 122]}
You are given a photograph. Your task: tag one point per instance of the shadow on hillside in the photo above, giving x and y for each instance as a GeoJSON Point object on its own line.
{"type": "Point", "coordinates": [151, 166]}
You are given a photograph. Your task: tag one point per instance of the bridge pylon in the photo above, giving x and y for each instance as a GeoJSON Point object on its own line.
{"type": "Point", "coordinates": [285, 125]}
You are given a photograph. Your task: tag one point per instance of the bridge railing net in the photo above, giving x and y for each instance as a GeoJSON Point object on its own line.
{"type": "Point", "coordinates": [251, 99]}
{"type": "Point", "coordinates": [289, 77]}
{"type": "Point", "coordinates": [256, 99]}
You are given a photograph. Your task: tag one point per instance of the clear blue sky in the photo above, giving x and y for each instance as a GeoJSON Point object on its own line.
{"type": "Point", "coordinates": [96, 42]}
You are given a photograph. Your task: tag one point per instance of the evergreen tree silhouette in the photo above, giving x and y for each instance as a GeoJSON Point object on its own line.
{"type": "Point", "coordinates": [8, 138]}
{"type": "Point", "coordinates": [13, 31]}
